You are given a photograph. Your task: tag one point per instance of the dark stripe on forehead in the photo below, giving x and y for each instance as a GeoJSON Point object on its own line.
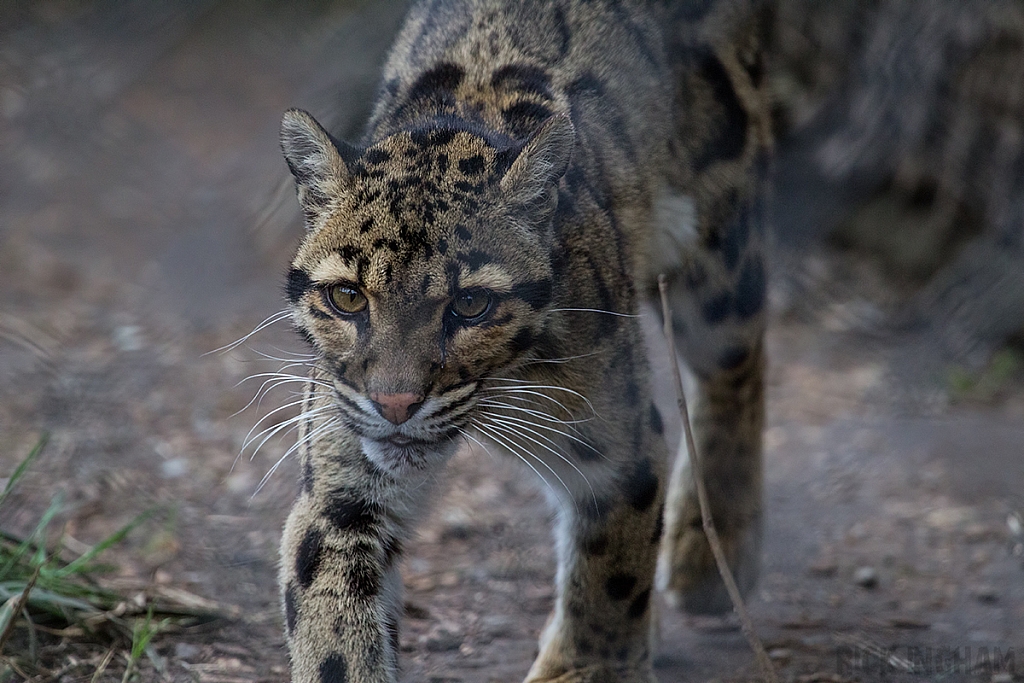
{"type": "Point", "coordinates": [474, 259]}
{"type": "Point", "coordinates": [437, 83]}
{"type": "Point", "coordinates": [298, 283]}
{"type": "Point", "coordinates": [522, 77]}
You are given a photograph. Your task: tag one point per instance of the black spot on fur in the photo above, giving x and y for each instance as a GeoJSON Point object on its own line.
{"type": "Point", "coordinates": [440, 138]}
{"type": "Point", "coordinates": [659, 527]}
{"type": "Point", "coordinates": [522, 342]}
{"type": "Point", "coordinates": [715, 309]}
{"type": "Point", "coordinates": [334, 669]}
{"type": "Point", "coordinates": [361, 578]}
{"type": "Point", "coordinates": [733, 357]}
{"type": "Point", "coordinates": [377, 156]}
{"type": "Point", "coordinates": [463, 234]}
{"type": "Point", "coordinates": [750, 289]}
{"type": "Point", "coordinates": [309, 556]}
{"type": "Point", "coordinates": [657, 426]}
{"type": "Point", "coordinates": [471, 165]}
{"type": "Point", "coordinates": [442, 246]}
{"type": "Point", "coordinates": [537, 294]}
{"type": "Point", "coordinates": [638, 607]}
{"type": "Point", "coordinates": [474, 259]}
{"type": "Point", "coordinates": [596, 546]}
{"type": "Point", "coordinates": [437, 85]}
{"type": "Point", "coordinates": [523, 78]}
{"type": "Point", "coordinates": [351, 514]}
{"type": "Point", "coordinates": [641, 486]}
{"type": "Point", "coordinates": [350, 253]}
{"type": "Point", "coordinates": [298, 284]}
{"type": "Point", "coordinates": [291, 608]}
{"type": "Point", "coordinates": [619, 586]}
{"type": "Point", "coordinates": [730, 138]}
{"type": "Point", "coordinates": [524, 117]}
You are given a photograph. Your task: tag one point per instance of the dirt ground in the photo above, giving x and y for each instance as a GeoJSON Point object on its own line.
{"type": "Point", "coordinates": [138, 159]}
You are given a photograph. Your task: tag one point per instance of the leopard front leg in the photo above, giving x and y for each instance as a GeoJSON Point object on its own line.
{"type": "Point", "coordinates": [339, 578]}
{"type": "Point", "coordinates": [607, 542]}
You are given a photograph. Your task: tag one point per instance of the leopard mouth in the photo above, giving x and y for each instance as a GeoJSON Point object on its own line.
{"type": "Point", "coordinates": [401, 440]}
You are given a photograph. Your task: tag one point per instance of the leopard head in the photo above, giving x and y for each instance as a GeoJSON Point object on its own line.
{"type": "Point", "coordinates": [425, 272]}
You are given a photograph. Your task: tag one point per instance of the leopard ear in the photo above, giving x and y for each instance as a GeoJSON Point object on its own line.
{"type": "Point", "coordinates": [541, 162]}
{"type": "Point", "coordinates": [316, 160]}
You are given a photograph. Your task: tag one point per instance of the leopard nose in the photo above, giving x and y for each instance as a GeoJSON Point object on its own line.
{"type": "Point", "coordinates": [396, 408]}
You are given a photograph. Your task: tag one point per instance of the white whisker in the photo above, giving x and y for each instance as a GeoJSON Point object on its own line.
{"type": "Point", "coordinates": [522, 454]}
{"type": "Point", "coordinates": [274, 429]}
{"type": "Point", "coordinates": [267, 322]}
{"type": "Point", "coordinates": [557, 361]}
{"type": "Point", "coordinates": [519, 420]}
{"type": "Point", "coordinates": [309, 438]}
{"type": "Point", "coordinates": [525, 384]}
{"type": "Point", "coordinates": [518, 431]}
{"type": "Point", "coordinates": [529, 392]}
{"type": "Point", "coordinates": [536, 413]}
{"type": "Point", "coordinates": [593, 310]}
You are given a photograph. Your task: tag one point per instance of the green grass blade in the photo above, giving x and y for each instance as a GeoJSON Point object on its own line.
{"type": "Point", "coordinates": [22, 467]}
{"type": "Point", "coordinates": [16, 556]}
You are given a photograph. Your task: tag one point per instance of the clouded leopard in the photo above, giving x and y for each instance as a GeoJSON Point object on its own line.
{"type": "Point", "coordinates": [471, 272]}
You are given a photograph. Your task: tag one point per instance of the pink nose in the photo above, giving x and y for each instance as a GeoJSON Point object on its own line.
{"type": "Point", "coordinates": [396, 408]}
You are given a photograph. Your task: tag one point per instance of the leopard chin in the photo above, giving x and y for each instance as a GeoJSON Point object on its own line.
{"type": "Point", "coordinates": [398, 457]}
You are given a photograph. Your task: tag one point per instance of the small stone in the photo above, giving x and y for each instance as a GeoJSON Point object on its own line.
{"type": "Point", "coordinates": [497, 626]}
{"type": "Point", "coordinates": [173, 469]}
{"type": "Point", "coordinates": [1002, 677]}
{"type": "Point", "coordinates": [128, 338]}
{"type": "Point", "coordinates": [780, 654]}
{"type": "Point", "coordinates": [1014, 524]}
{"type": "Point", "coordinates": [185, 650]}
{"type": "Point", "coordinates": [866, 577]}
{"type": "Point", "coordinates": [985, 593]}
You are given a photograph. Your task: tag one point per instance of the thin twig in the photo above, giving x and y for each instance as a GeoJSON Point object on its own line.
{"type": "Point", "coordinates": [697, 469]}
{"type": "Point", "coordinates": [103, 665]}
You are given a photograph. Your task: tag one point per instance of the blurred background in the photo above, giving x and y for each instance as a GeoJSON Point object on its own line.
{"type": "Point", "coordinates": [146, 219]}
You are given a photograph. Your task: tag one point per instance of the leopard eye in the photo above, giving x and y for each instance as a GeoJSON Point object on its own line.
{"type": "Point", "coordinates": [471, 304]}
{"type": "Point", "coordinates": [346, 299]}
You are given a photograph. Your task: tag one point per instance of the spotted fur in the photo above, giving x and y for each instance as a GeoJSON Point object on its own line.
{"type": "Point", "coordinates": [528, 170]}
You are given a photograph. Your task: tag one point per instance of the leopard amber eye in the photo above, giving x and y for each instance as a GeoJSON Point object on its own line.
{"type": "Point", "coordinates": [346, 299]}
{"type": "Point", "coordinates": [471, 303]}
